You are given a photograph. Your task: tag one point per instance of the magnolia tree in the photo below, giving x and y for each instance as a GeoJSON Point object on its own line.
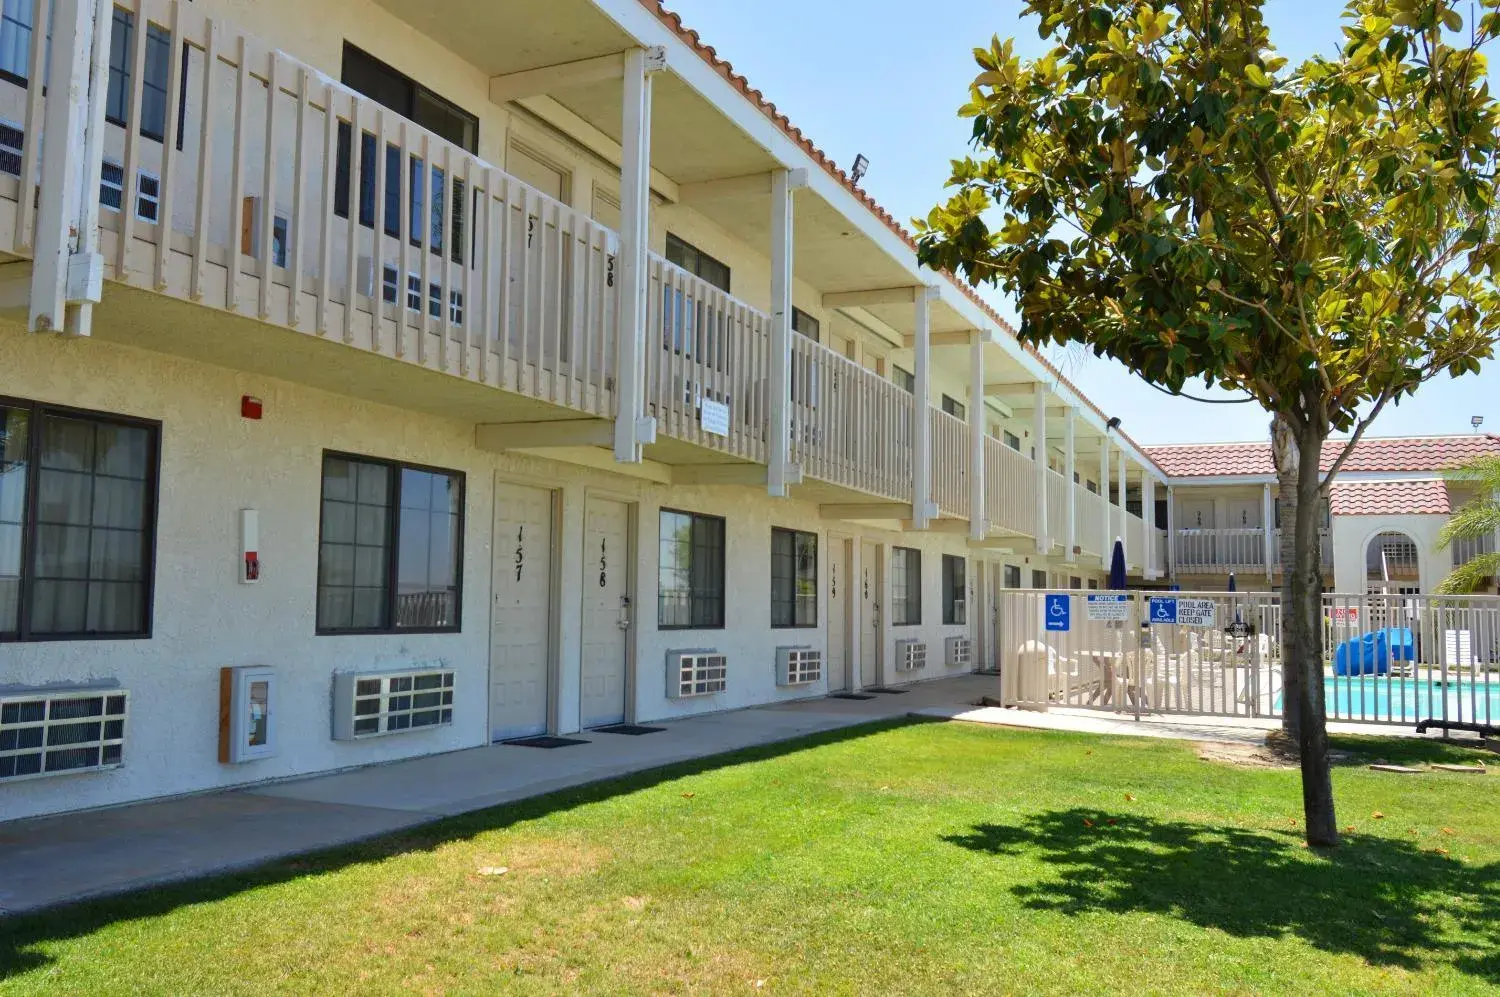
{"type": "Point", "coordinates": [1164, 188]}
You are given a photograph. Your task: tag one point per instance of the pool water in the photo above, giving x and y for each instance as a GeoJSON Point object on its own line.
{"type": "Point", "coordinates": [1379, 697]}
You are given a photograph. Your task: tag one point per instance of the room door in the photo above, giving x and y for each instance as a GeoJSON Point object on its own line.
{"type": "Point", "coordinates": [869, 613]}
{"type": "Point", "coordinates": [608, 615]}
{"type": "Point", "coordinates": [837, 666]}
{"type": "Point", "coordinates": [521, 621]}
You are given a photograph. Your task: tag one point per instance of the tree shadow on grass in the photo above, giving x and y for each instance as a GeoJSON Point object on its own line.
{"type": "Point", "coordinates": [1388, 902]}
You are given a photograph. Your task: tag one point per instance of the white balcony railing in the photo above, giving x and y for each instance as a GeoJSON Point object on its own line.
{"type": "Point", "coordinates": [1009, 489]}
{"type": "Point", "coordinates": [1465, 551]}
{"type": "Point", "coordinates": [1215, 551]}
{"type": "Point", "coordinates": [950, 463]}
{"type": "Point", "coordinates": [850, 426]}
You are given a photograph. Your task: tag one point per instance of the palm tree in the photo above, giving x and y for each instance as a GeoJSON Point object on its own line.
{"type": "Point", "coordinates": [1475, 520]}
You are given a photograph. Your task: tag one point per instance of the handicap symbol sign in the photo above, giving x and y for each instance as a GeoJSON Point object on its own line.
{"type": "Point", "coordinates": [1058, 613]}
{"type": "Point", "coordinates": [1163, 610]}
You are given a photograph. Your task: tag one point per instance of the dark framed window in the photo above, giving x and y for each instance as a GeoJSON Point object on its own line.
{"type": "Point", "coordinates": [794, 578]}
{"type": "Point", "coordinates": [906, 587]}
{"type": "Point", "coordinates": [78, 495]}
{"type": "Point", "coordinates": [390, 547]}
{"type": "Point", "coordinates": [153, 84]}
{"type": "Point", "coordinates": [955, 590]}
{"type": "Point", "coordinates": [1093, 583]}
{"type": "Point", "coordinates": [1012, 576]}
{"type": "Point", "coordinates": [905, 379]}
{"type": "Point", "coordinates": [1092, 486]}
{"type": "Point", "coordinates": [1038, 579]}
{"type": "Point", "coordinates": [427, 188]}
{"type": "Point", "coordinates": [15, 40]}
{"type": "Point", "coordinates": [805, 324]}
{"type": "Point", "coordinates": [695, 261]}
{"type": "Point", "coordinates": [1075, 582]}
{"type": "Point", "coordinates": [1013, 441]}
{"type": "Point", "coordinates": [690, 572]}
{"type": "Point", "coordinates": [954, 407]}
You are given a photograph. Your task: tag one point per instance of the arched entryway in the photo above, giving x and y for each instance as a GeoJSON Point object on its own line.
{"type": "Point", "coordinates": [1393, 565]}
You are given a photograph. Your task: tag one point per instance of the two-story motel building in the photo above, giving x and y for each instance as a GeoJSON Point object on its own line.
{"type": "Point", "coordinates": [439, 373]}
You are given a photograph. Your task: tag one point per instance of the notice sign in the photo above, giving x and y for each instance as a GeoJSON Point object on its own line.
{"type": "Point", "coordinates": [1111, 608]}
{"type": "Point", "coordinates": [713, 417]}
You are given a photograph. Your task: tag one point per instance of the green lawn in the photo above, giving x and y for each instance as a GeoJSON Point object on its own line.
{"type": "Point", "coordinates": [897, 859]}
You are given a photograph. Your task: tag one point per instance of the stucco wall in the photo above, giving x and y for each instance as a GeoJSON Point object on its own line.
{"type": "Point", "coordinates": [1352, 536]}
{"type": "Point", "coordinates": [215, 463]}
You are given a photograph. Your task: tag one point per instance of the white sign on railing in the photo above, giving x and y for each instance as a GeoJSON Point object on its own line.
{"type": "Point", "coordinates": [713, 417]}
{"type": "Point", "coordinates": [1111, 608]}
{"type": "Point", "coordinates": [1183, 612]}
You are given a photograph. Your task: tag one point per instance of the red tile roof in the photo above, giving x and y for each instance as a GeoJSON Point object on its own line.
{"type": "Point", "coordinates": [673, 22]}
{"type": "Point", "coordinates": [1389, 498]}
{"type": "Point", "coordinates": [1372, 454]}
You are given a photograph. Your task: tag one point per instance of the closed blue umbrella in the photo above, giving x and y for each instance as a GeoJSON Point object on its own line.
{"type": "Point", "coordinates": [1117, 567]}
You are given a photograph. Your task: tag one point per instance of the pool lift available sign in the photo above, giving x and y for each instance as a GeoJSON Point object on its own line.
{"type": "Point", "coordinates": [1183, 612]}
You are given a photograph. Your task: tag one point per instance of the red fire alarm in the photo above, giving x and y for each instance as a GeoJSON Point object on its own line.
{"type": "Point", "coordinates": [250, 407]}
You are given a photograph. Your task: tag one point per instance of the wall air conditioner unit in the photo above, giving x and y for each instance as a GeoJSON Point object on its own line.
{"type": "Point", "coordinates": [798, 665]}
{"type": "Point", "coordinates": [58, 730]}
{"type": "Point", "coordinates": [696, 672]}
{"type": "Point", "coordinates": [911, 655]}
{"type": "Point", "coordinates": [960, 652]}
{"type": "Point", "coordinates": [370, 704]}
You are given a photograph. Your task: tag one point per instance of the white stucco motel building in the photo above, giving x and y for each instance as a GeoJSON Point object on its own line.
{"type": "Point", "coordinates": [384, 378]}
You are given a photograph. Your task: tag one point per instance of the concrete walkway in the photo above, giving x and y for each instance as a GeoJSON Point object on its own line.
{"type": "Point", "coordinates": [1229, 730]}
{"type": "Point", "coordinates": [52, 860]}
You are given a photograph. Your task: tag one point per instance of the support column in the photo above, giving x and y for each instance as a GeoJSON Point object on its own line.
{"type": "Point", "coordinates": [1070, 486]}
{"type": "Point", "coordinates": [633, 428]}
{"type": "Point", "coordinates": [1171, 534]}
{"type": "Point", "coordinates": [1268, 520]}
{"type": "Point", "coordinates": [921, 496]}
{"type": "Point", "coordinates": [68, 273]}
{"type": "Point", "coordinates": [1148, 518]}
{"type": "Point", "coordinates": [1124, 512]}
{"type": "Point", "coordinates": [781, 471]}
{"type": "Point", "coordinates": [1039, 433]}
{"type": "Point", "coordinates": [1109, 534]}
{"type": "Point", "coordinates": [977, 527]}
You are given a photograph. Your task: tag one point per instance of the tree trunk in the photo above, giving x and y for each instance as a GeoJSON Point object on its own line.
{"type": "Point", "coordinates": [1284, 454]}
{"type": "Point", "coordinates": [1302, 638]}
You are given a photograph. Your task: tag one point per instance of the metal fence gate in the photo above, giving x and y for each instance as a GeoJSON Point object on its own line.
{"type": "Point", "coordinates": [1391, 659]}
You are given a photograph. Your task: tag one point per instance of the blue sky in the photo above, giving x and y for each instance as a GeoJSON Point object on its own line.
{"type": "Point", "coordinates": [884, 77]}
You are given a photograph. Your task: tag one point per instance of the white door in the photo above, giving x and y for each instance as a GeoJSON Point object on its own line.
{"type": "Point", "coordinates": [838, 614]}
{"type": "Point", "coordinates": [607, 612]}
{"type": "Point", "coordinates": [522, 617]}
{"type": "Point", "coordinates": [869, 614]}
{"type": "Point", "coordinates": [1244, 514]}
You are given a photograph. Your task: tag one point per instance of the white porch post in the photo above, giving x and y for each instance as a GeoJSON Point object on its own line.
{"type": "Point", "coordinates": [977, 528]}
{"type": "Point", "coordinates": [921, 496]}
{"type": "Point", "coordinates": [68, 272]}
{"type": "Point", "coordinates": [1171, 534]}
{"type": "Point", "coordinates": [1070, 487]}
{"type": "Point", "coordinates": [632, 427]}
{"type": "Point", "coordinates": [1109, 534]}
{"type": "Point", "coordinates": [1268, 517]}
{"type": "Point", "coordinates": [780, 474]}
{"type": "Point", "coordinates": [1148, 519]}
{"type": "Point", "coordinates": [1039, 433]}
{"type": "Point", "coordinates": [1124, 512]}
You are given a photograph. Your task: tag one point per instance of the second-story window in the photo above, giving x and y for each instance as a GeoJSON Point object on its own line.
{"type": "Point", "coordinates": [154, 78]}
{"type": "Point", "coordinates": [1092, 486]}
{"type": "Point", "coordinates": [428, 199]}
{"type": "Point", "coordinates": [905, 379]}
{"type": "Point", "coordinates": [1013, 441]}
{"type": "Point", "coordinates": [954, 407]}
{"type": "Point", "coordinates": [696, 262]}
{"type": "Point", "coordinates": [805, 324]}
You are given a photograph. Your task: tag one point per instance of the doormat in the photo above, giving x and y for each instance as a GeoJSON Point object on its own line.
{"type": "Point", "coordinates": [544, 741]}
{"type": "Point", "coordinates": [631, 729]}
{"type": "Point", "coordinates": [886, 691]}
{"type": "Point", "coordinates": [848, 695]}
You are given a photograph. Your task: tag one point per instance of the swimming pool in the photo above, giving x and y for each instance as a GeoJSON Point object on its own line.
{"type": "Point", "coordinates": [1380, 697]}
